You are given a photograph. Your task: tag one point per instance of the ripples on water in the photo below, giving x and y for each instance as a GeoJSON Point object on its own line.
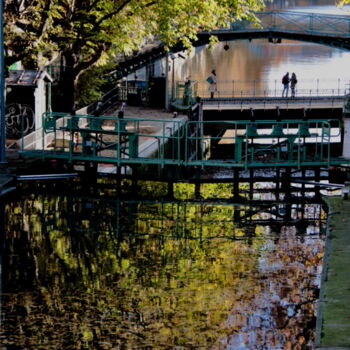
{"type": "Point", "coordinates": [92, 268]}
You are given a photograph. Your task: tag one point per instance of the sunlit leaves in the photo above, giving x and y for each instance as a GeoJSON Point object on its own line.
{"type": "Point", "coordinates": [81, 26]}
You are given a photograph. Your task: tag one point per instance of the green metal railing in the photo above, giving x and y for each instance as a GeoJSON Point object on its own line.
{"type": "Point", "coordinates": [108, 139]}
{"type": "Point", "coordinates": [297, 22]}
{"type": "Point", "coordinates": [268, 88]}
{"type": "Point", "coordinates": [263, 143]}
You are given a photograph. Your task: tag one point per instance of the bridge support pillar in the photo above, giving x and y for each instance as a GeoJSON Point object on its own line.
{"type": "Point", "coordinates": [346, 141]}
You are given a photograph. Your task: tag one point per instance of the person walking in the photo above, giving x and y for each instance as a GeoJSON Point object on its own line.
{"type": "Point", "coordinates": [293, 83]}
{"type": "Point", "coordinates": [285, 82]}
{"type": "Point", "coordinates": [212, 83]}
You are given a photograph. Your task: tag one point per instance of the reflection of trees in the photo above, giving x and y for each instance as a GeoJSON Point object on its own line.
{"type": "Point", "coordinates": [96, 274]}
{"type": "Point", "coordinates": [283, 304]}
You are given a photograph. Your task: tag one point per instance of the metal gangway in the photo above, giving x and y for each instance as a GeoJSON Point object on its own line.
{"type": "Point", "coordinates": [126, 142]}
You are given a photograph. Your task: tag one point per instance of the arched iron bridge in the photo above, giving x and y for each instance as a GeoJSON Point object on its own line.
{"type": "Point", "coordinates": [324, 29]}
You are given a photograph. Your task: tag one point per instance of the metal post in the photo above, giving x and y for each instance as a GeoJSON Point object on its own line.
{"type": "Point", "coordinates": [166, 82]}
{"type": "Point", "coordinates": [2, 91]}
{"type": "Point", "coordinates": [49, 93]}
{"type": "Point", "coordinates": [173, 79]}
{"type": "Point", "coordinates": [311, 23]}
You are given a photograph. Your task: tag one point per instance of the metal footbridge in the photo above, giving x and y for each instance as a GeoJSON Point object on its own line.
{"type": "Point", "coordinates": [324, 29]}
{"type": "Point", "coordinates": [271, 103]}
{"type": "Point", "coordinates": [83, 139]}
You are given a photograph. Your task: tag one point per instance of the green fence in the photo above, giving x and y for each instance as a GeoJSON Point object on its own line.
{"type": "Point", "coordinates": [243, 144]}
{"type": "Point", "coordinates": [263, 143]}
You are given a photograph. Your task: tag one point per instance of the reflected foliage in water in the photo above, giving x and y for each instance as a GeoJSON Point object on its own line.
{"type": "Point", "coordinates": [153, 272]}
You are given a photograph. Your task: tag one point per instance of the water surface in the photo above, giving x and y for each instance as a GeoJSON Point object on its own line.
{"type": "Point", "coordinates": [99, 268]}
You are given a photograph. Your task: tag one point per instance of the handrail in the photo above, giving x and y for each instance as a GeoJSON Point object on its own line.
{"type": "Point", "coordinates": [50, 120]}
{"type": "Point", "coordinates": [259, 143]}
{"type": "Point", "coordinates": [294, 21]}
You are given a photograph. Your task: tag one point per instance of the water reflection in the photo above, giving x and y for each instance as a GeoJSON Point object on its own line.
{"type": "Point", "coordinates": [315, 6]}
{"type": "Point", "coordinates": [137, 271]}
{"type": "Point", "coordinates": [258, 65]}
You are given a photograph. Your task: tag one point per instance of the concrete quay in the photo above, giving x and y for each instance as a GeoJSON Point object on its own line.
{"type": "Point", "coordinates": [333, 314]}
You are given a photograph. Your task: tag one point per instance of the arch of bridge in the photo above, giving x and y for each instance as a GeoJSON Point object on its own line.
{"type": "Point", "coordinates": [279, 25]}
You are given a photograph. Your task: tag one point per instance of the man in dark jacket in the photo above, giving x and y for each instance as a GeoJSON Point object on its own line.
{"type": "Point", "coordinates": [285, 82]}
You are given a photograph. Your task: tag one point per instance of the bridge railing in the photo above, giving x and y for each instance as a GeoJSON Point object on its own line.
{"type": "Point", "coordinates": [108, 139]}
{"type": "Point", "coordinates": [298, 22]}
{"type": "Point", "coordinates": [263, 143]}
{"type": "Point", "coordinates": [273, 88]}
{"type": "Point", "coordinates": [273, 93]}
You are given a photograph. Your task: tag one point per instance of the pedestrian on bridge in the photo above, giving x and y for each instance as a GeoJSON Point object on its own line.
{"type": "Point", "coordinates": [293, 82]}
{"type": "Point", "coordinates": [212, 83]}
{"type": "Point", "coordinates": [285, 82]}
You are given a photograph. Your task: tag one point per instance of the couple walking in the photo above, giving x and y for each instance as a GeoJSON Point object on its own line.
{"type": "Point", "coordinates": [286, 80]}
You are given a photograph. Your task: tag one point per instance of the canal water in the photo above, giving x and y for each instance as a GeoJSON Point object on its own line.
{"type": "Point", "coordinates": [97, 266]}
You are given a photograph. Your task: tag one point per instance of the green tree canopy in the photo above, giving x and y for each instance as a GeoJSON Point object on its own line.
{"type": "Point", "coordinates": [86, 32]}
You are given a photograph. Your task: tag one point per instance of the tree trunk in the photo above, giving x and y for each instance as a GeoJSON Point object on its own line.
{"type": "Point", "coordinates": [66, 94]}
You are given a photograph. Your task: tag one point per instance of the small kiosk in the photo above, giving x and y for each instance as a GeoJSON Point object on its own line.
{"type": "Point", "coordinates": [27, 98]}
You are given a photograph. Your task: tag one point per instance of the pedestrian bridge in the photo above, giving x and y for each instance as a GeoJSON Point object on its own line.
{"type": "Point", "coordinates": [324, 29]}
{"type": "Point", "coordinates": [273, 103]}
{"type": "Point", "coordinates": [331, 30]}
{"type": "Point", "coordinates": [322, 103]}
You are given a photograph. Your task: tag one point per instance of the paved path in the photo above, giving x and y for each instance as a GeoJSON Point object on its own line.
{"type": "Point", "coordinates": [333, 323]}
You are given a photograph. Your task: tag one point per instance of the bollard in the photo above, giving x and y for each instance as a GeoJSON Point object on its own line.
{"type": "Point", "coordinates": [346, 190]}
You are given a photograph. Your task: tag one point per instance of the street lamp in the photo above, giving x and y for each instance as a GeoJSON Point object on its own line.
{"type": "Point", "coordinates": [2, 90]}
{"type": "Point", "coordinates": [173, 57]}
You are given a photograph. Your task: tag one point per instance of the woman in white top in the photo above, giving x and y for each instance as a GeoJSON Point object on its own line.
{"type": "Point", "coordinates": [212, 83]}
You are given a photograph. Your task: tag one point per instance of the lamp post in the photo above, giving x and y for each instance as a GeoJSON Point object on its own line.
{"type": "Point", "coordinates": [173, 78]}
{"type": "Point", "coordinates": [174, 57]}
{"type": "Point", "coordinates": [2, 90]}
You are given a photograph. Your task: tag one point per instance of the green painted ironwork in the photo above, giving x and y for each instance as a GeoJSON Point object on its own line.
{"type": "Point", "coordinates": [297, 22]}
{"type": "Point", "coordinates": [107, 138]}
{"type": "Point", "coordinates": [185, 95]}
{"type": "Point", "coordinates": [272, 143]}
{"type": "Point", "coordinates": [267, 143]}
